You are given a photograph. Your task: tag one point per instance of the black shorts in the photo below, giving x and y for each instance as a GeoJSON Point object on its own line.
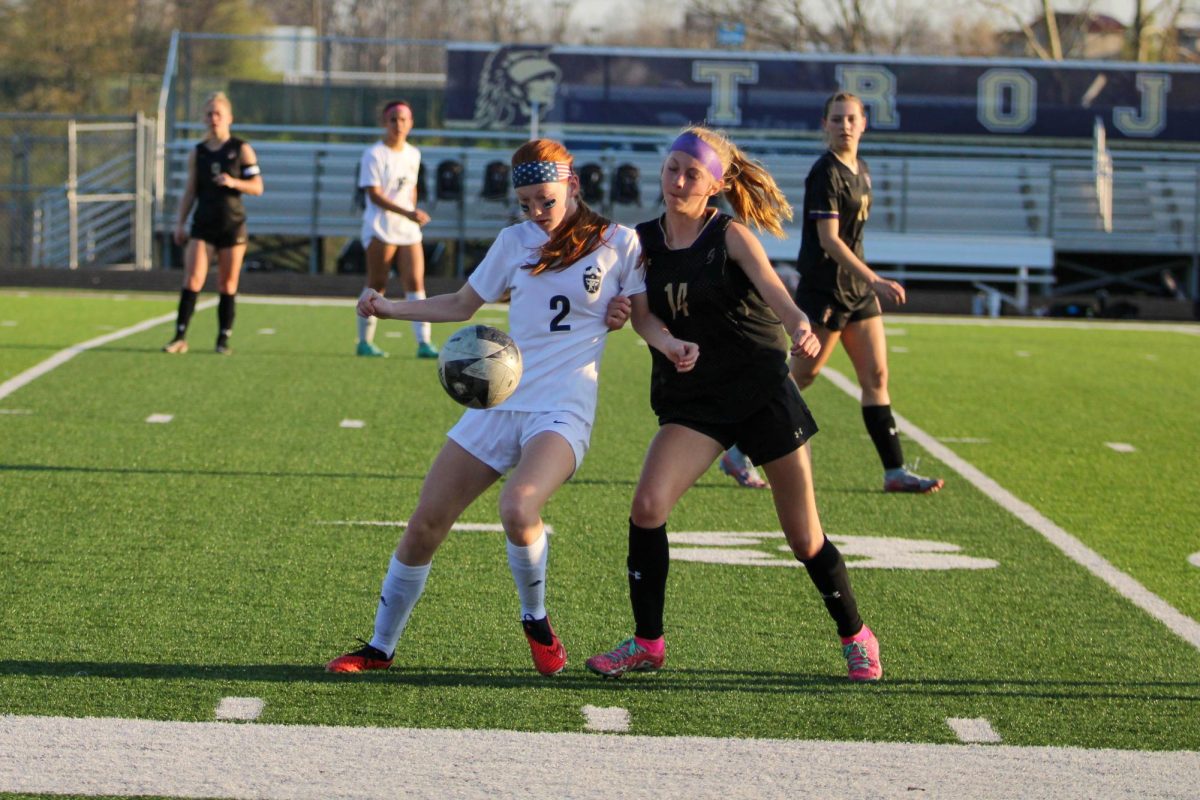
{"type": "Point", "coordinates": [778, 427]}
{"type": "Point", "coordinates": [834, 311]}
{"type": "Point", "coordinates": [220, 236]}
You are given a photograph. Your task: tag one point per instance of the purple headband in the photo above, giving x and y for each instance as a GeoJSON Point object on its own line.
{"type": "Point", "coordinates": [700, 150]}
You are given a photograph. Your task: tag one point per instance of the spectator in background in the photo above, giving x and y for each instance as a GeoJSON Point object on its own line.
{"type": "Point", "coordinates": [221, 169]}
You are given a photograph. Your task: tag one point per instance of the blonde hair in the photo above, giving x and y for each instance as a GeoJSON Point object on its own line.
{"type": "Point", "coordinates": [839, 97]}
{"type": "Point", "coordinates": [220, 97]}
{"type": "Point", "coordinates": [751, 191]}
{"type": "Point", "coordinates": [578, 234]}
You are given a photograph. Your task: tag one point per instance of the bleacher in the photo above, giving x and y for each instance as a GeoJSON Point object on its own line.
{"type": "Point", "coordinates": [995, 222]}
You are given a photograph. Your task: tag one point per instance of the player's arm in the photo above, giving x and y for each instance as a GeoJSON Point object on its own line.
{"type": "Point", "coordinates": [839, 251]}
{"type": "Point", "coordinates": [682, 354]}
{"type": "Point", "coordinates": [251, 181]}
{"type": "Point", "coordinates": [745, 248]}
{"type": "Point", "coordinates": [376, 196]}
{"type": "Point", "coordinates": [456, 307]}
{"type": "Point", "coordinates": [186, 201]}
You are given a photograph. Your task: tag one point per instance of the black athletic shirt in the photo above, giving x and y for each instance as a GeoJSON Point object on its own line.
{"type": "Point", "coordinates": [705, 297]}
{"type": "Point", "coordinates": [832, 191]}
{"type": "Point", "coordinates": [219, 207]}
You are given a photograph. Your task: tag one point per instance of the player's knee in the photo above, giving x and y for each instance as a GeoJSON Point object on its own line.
{"type": "Point", "coordinates": [648, 511]}
{"type": "Point", "coordinates": [519, 513]}
{"type": "Point", "coordinates": [422, 536]}
{"type": "Point", "coordinates": [805, 544]}
{"type": "Point", "coordinates": [874, 380]}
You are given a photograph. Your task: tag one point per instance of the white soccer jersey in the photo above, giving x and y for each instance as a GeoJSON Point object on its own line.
{"type": "Point", "coordinates": [395, 173]}
{"type": "Point", "coordinates": [557, 318]}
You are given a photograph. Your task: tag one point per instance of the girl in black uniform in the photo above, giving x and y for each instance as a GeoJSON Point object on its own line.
{"type": "Point", "coordinates": [709, 280]}
{"type": "Point", "coordinates": [840, 293]}
{"type": "Point", "coordinates": [220, 170]}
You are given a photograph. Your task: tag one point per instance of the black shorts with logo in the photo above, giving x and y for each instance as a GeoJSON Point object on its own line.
{"type": "Point", "coordinates": [834, 310]}
{"type": "Point", "coordinates": [773, 430]}
{"type": "Point", "coordinates": [220, 235]}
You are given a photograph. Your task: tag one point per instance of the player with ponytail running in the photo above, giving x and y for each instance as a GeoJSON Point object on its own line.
{"type": "Point", "coordinates": [709, 279]}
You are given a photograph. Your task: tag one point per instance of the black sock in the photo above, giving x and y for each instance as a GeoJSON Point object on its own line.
{"type": "Point", "coordinates": [881, 425]}
{"type": "Point", "coordinates": [187, 306]}
{"type": "Point", "coordinates": [225, 314]}
{"type": "Point", "coordinates": [538, 630]}
{"type": "Point", "coordinates": [827, 569]}
{"type": "Point", "coordinates": [649, 558]}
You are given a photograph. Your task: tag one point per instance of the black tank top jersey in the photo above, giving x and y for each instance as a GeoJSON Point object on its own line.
{"type": "Point", "coordinates": [705, 297]}
{"type": "Point", "coordinates": [218, 207]}
{"type": "Point", "coordinates": [831, 190]}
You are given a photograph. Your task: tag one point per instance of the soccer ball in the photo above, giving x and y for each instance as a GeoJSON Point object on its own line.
{"type": "Point", "coordinates": [479, 366]}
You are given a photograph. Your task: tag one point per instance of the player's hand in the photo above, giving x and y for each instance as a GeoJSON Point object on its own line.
{"type": "Point", "coordinates": [223, 179]}
{"type": "Point", "coordinates": [370, 303]}
{"type": "Point", "coordinates": [180, 236]}
{"type": "Point", "coordinates": [805, 343]}
{"type": "Point", "coordinates": [419, 216]}
{"type": "Point", "coordinates": [682, 354]}
{"type": "Point", "coordinates": [618, 312]}
{"type": "Point", "coordinates": [890, 291]}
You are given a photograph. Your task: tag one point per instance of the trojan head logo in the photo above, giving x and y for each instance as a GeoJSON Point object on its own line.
{"type": "Point", "coordinates": [514, 82]}
{"type": "Point", "coordinates": [591, 279]}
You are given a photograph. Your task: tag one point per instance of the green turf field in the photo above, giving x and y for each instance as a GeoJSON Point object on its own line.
{"type": "Point", "coordinates": [152, 569]}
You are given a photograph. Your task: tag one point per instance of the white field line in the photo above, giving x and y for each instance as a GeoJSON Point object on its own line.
{"type": "Point", "coordinates": [240, 708]}
{"type": "Point", "coordinates": [63, 356]}
{"type": "Point", "coordinates": [1183, 626]}
{"type": "Point", "coordinates": [94, 756]}
{"type": "Point", "coordinates": [476, 527]}
{"type": "Point", "coordinates": [977, 730]}
{"type": "Point", "coordinates": [1190, 329]}
{"type": "Point", "coordinates": [607, 719]}
{"type": "Point", "coordinates": [160, 419]}
{"type": "Point", "coordinates": [1121, 447]}
{"type": "Point", "coordinates": [352, 423]}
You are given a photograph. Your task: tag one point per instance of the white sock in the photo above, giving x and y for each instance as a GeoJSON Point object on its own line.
{"type": "Point", "coordinates": [366, 328]}
{"type": "Point", "coordinates": [528, 565]}
{"type": "Point", "coordinates": [402, 588]}
{"type": "Point", "coordinates": [421, 330]}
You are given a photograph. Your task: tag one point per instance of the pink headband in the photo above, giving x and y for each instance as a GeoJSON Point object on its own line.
{"type": "Point", "coordinates": [700, 150]}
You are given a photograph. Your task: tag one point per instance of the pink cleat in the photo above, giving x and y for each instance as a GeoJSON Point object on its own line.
{"type": "Point", "coordinates": [862, 656]}
{"type": "Point", "coordinates": [737, 466]}
{"type": "Point", "coordinates": [628, 656]}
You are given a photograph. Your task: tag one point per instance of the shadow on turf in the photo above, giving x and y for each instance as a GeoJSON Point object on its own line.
{"type": "Point", "coordinates": [576, 678]}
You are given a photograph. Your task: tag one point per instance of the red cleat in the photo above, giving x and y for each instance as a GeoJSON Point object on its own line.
{"type": "Point", "coordinates": [548, 659]}
{"type": "Point", "coordinates": [363, 659]}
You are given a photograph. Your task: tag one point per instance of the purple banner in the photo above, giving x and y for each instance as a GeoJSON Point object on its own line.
{"type": "Point", "coordinates": [498, 87]}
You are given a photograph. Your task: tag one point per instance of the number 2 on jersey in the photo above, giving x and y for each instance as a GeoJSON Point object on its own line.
{"type": "Point", "coordinates": [677, 299]}
{"type": "Point", "coordinates": [562, 304]}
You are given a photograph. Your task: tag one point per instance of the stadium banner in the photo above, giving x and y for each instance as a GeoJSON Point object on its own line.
{"type": "Point", "coordinates": [500, 86]}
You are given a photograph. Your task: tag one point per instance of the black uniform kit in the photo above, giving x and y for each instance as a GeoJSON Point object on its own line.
{"type": "Point", "coordinates": [830, 295]}
{"type": "Point", "coordinates": [739, 391]}
{"type": "Point", "coordinates": [220, 218]}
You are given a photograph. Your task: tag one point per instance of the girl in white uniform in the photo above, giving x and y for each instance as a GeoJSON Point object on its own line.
{"type": "Point", "coordinates": [391, 229]}
{"type": "Point", "coordinates": [563, 266]}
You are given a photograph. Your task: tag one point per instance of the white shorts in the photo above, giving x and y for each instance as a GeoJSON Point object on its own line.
{"type": "Point", "coordinates": [497, 437]}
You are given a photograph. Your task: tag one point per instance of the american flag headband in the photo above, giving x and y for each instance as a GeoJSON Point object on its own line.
{"type": "Point", "coordinates": [533, 172]}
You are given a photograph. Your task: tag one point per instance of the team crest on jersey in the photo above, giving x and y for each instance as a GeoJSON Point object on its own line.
{"type": "Point", "coordinates": [591, 279]}
{"type": "Point", "coordinates": [712, 254]}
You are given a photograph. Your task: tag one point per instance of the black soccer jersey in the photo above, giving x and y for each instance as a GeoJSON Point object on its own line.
{"type": "Point", "coordinates": [219, 208]}
{"type": "Point", "coordinates": [705, 297]}
{"type": "Point", "coordinates": [833, 191]}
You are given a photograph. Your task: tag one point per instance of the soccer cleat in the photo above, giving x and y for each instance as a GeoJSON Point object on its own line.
{"type": "Point", "coordinates": [628, 656]}
{"type": "Point", "coordinates": [862, 657]}
{"type": "Point", "coordinates": [363, 659]}
{"type": "Point", "coordinates": [904, 480]}
{"type": "Point", "coordinates": [737, 466]}
{"type": "Point", "coordinates": [176, 346]}
{"type": "Point", "coordinates": [548, 659]}
{"type": "Point", "coordinates": [223, 349]}
{"type": "Point", "coordinates": [369, 349]}
{"type": "Point", "coordinates": [426, 350]}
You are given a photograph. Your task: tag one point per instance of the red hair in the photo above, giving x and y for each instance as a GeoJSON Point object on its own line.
{"type": "Point", "coordinates": [578, 234]}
